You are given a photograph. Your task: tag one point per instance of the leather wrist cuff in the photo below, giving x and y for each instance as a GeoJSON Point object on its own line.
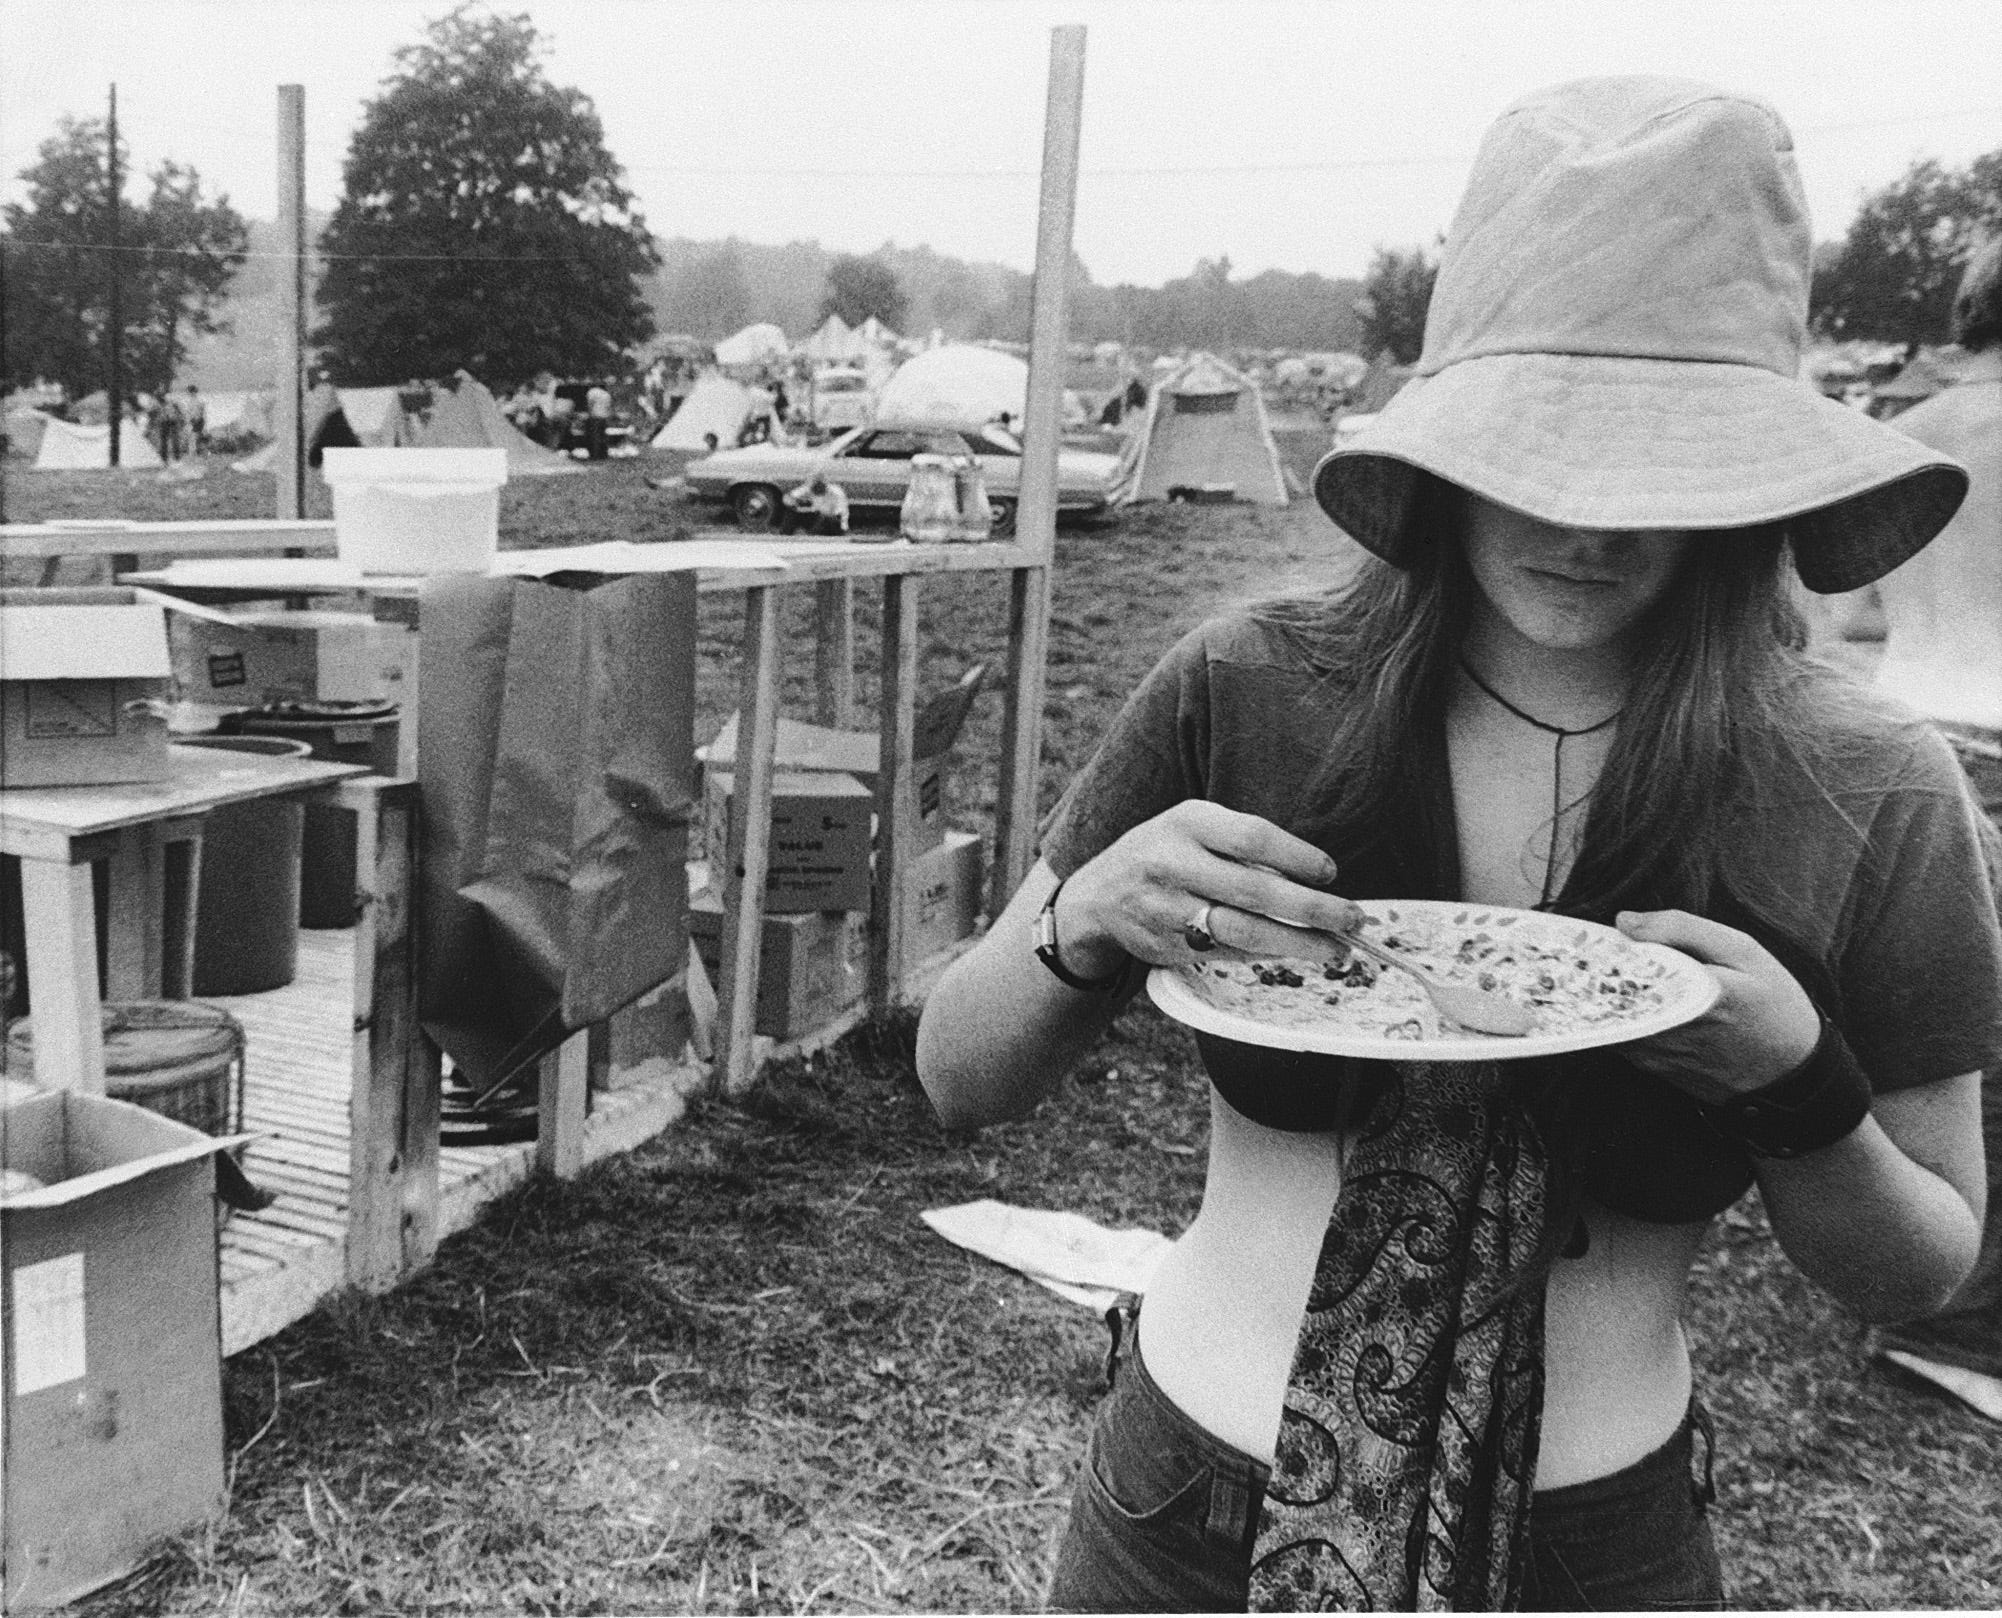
{"type": "Point", "coordinates": [1046, 950]}
{"type": "Point", "coordinates": [1816, 1105]}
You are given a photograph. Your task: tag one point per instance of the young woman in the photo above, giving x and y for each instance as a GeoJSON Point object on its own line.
{"type": "Point", "coordinates": [1423, 1343]}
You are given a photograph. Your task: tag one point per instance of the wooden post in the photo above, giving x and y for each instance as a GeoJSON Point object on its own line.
{"type": "Point", "coordinates": [393, 1098]}
{"type": "Point", "coordinates": [563, 1100]}
{"type": "Point", "coordinates": [895, 810]}
{"type": "Point", "coordinates": [1036, 518]}
{"type": "Point", "coordinates": [834, 650]}
{"type": "Point", "coordinates": [1021, 733]}
{"type": "Point", "coordinates": [59, 916]}
{"type": "Point", "coordinates": [747, 855]}
{"type": "Point", "coordinates": [287, 422]}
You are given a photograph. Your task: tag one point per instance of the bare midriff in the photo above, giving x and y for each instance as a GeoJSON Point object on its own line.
{"type": "Point", "coordinates": [1223, 1312]}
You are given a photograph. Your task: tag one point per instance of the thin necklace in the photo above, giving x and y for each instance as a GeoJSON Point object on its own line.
{"type": "Point", "coordinates": [1556, 767]}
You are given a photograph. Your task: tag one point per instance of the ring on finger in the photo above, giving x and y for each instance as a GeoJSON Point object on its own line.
{"type": "Point", "coordinates": [1196, 932]}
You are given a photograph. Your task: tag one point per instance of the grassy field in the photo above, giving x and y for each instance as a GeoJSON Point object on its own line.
{"type": "Point", "coordinates": [734, 1372]}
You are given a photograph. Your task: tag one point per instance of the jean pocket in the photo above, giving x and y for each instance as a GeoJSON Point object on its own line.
{"type": "Point", "coordinates": [1141, 1466]}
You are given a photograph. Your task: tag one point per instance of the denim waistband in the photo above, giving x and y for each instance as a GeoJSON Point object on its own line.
{"type": "Point", "coordinates": [1672, 1457]}
{"type": "Point", "coordinates": [1237, 1480]}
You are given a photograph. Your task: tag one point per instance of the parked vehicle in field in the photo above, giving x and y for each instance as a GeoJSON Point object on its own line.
{"type": "Point", "coordinates": [839, 397]}
{"type": "Point", "coordinates": [874, 465]}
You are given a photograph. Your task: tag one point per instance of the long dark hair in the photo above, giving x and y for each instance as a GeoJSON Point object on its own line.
{"type": "Point", "coordinates": [1723, 690]}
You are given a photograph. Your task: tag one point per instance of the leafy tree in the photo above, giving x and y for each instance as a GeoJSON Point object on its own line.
{"type": "Point", "coordinates": [858, 287]}
{"type": "Point", "coordinates": [1395, 293]}
{"type": "Point", "coordinates": [179, 253]}
{"type": "Point", "coordinates": [1893, 277]}
{"type": "Point", "coordinates": [483, 222]}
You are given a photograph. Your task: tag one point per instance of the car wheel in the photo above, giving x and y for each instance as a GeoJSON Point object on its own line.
{"type": "Point", "coordinates": [756, 506]}
{"type": "Point", "coordinates": [1004, 518]}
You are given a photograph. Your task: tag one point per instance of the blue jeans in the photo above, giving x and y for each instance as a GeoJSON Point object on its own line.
{"type": "Point", "coordinates": [1165, 1512]}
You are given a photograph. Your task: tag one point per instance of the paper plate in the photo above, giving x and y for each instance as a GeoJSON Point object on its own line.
{"type": "Point", "coordinates": [1521, 947]}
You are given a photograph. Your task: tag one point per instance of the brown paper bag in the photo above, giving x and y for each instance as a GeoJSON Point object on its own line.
{"type": "Point", "coordinates": [556, 766]}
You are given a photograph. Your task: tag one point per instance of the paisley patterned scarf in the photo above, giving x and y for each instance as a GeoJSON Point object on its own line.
{"type": "Point", "coordinates": [1407, 1454]}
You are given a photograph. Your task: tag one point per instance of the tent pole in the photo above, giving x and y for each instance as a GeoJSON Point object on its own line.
{"type": "Point", "coordinates": [287, 414]}
{"type": "Point", "coordinates": [1036, 515]}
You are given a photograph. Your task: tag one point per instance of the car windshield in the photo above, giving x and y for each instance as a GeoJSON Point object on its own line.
{"type": "Point", "coordinates": [997, 440]}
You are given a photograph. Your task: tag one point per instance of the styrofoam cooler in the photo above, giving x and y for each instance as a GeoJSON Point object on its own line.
{"type": "Point", "coordinates": [416, 510]}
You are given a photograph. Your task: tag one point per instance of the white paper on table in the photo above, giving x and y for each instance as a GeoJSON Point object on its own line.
{"type": "Point", "coordinates": [276, 573]}
{"type": "Point", "coordinates": [1073, 1256]}
{"type": "Point", "coordinates": [623, 556]}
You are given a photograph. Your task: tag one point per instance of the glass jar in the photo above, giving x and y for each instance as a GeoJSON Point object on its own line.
{"type": "Point", "coordinates": [976, 512]}
{"type": "Point", "coordinates": [930, 514]}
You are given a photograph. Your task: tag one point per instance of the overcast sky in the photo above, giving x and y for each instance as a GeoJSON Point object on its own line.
{"type": "Point", "coordinates": [1288, 134]}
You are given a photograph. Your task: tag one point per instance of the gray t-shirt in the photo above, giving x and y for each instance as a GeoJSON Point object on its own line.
{"type": "Point", "coordinates": [1863, 871]}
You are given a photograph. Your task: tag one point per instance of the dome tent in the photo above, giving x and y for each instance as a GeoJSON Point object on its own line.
{"type": "Point", "coordinates": [762, 344]}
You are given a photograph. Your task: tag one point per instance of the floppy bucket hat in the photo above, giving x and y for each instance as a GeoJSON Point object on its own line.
{"type": "Point", "coordinates": [1614, 342]}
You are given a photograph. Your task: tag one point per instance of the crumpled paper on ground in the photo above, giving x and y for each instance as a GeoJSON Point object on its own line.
{"type": "Point", "coordinates": [1981, 1393]}
{"type": "Point", "coordinates": [1074, 1257]}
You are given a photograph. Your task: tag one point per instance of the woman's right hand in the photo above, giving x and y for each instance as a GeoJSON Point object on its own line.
{"type": "Point", "coordinates": [1138, 896]}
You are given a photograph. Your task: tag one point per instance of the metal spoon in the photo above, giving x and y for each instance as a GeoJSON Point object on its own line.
{"type": "Point", "coordinates": [1477, 1011]}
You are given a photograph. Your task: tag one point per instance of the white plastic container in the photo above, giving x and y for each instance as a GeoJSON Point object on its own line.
{"type": "Point", "coordinates": [416, 510]}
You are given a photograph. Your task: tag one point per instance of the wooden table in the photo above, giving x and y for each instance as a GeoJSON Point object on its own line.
{"type": "Point", "coordinates": [150, 832]}
{"type": "Point", "coordinates": [833, 568]}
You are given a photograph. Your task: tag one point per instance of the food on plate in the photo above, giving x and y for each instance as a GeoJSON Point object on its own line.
{"type": "Point", "coordinates": [1571, 976]}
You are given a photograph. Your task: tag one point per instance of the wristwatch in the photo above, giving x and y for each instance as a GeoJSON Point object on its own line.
{"type": "Point", "coordinates": [1046, 949]}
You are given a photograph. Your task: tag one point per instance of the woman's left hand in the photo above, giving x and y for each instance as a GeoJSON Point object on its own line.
{"type": "Point", "coordinates": [1762, 1027]}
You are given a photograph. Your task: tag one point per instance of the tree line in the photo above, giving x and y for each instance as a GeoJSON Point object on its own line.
{"type": "Point", "coordinates": [484, 223]}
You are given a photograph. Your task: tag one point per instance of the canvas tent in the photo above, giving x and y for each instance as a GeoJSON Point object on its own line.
{"type": "Point", "coordinates": [717, 404]}
{"type": "Point", "coordinates": [24, 427]}
{"type": "Point", "coordinates": [762, 344]}
{"type": "Point", "coordinates": [877, 335]}
{"type": "Point", "coordinates": [69, 447]}
{"type": "Point", "coordinates": [834, 344]}
{"type": "Point", "coordinates": [1205, 429]}
{"type": "Point", "coordinates": [463, 414]}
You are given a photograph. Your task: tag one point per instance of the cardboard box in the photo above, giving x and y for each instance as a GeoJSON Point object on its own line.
{"type": "Point", "coordinates": [817, 749]}
{"type": "Point", "coordinates": [254, 658]}
{"type": "Point", "coordinates": [813, 965]}
{"type": "Point", "coordinates": [819, 840]}
{"type": "Point", "coordinates": [110, 1351]}
{"type": "Point", "coordinates": [84, 688]}
{"type": "Point", "coordinates": [941, 896]}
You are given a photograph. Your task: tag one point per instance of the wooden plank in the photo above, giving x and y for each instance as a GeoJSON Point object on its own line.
{"type": "Point", "coordinates": [896, 814]}
{"type": "Point", "coordinates": [563, 1096]}
{"type": "Point", "coordinates": [247, 537]}
{"type": "Point", "coordinates": [834, 650]}
{"type": "Point", "coordinates": [1042, 424]}
{"type": "Point", "coordinates": [384, 1156]}
{"type": "Point", "coordinates": [1021, 733]}
{"type": "Point", "coordinates": [59, 916]}
{"type": "Point", "coordinates": [748, 842]}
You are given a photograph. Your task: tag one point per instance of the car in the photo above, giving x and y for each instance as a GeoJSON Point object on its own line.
{"type": "Point", "coordinates": [873, 464]}
{"type": "Point", "coordinates": [838, 398]}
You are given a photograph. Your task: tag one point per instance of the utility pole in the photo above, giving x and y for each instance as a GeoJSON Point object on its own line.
{"type": "Point", "coordinates": [116, 301]}
{"type": "Point", "coordinates": [287, 420]}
